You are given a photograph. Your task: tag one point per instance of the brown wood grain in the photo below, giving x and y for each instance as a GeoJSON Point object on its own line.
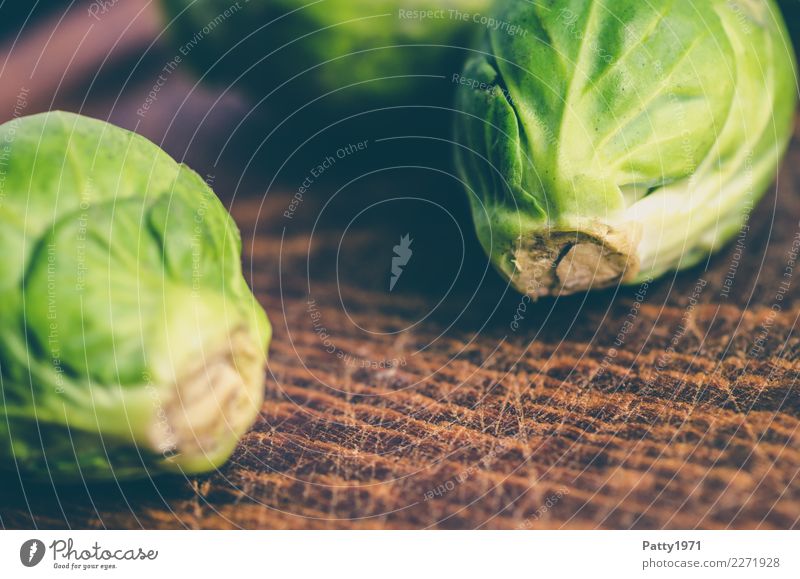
{"type": "Point", "coordinates": [686, 425]}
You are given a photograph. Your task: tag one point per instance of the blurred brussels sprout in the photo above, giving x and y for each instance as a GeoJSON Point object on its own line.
{"type": "Point", "coordinates": [621, 140]}
{"type": "Point", "coordinates": [354, 53]}
{"type": "Point", "coordinates": [130, 343]}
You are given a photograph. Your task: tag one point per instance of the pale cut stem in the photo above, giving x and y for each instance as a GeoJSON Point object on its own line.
{"type": "Point", "coordinates": [213, 404]}
{"type": "Point", "coordinates": [568, 261]}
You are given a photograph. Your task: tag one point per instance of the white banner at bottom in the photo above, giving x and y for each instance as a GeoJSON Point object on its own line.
{"type": "Point", "coordinates": [399, 554]}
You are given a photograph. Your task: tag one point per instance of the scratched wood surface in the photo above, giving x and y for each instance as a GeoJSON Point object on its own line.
{"type": "Point", "coordinates": [450, 402]}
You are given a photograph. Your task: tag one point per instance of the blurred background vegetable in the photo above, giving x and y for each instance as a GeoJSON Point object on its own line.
{"type": "Point", "coordinates": [624, 139]}
{"type": "Point", "coordinates": [354, 54]}
{"type": "Point", "coordinates": [130, 343]}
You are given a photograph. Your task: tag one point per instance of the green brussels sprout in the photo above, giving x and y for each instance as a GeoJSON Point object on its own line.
{"type": "Point", "coordinates": [352, 52]}
{"type": "Point", "coordinates": [621, 139]}
{"type": "Point", "coordinates": [130, 343]}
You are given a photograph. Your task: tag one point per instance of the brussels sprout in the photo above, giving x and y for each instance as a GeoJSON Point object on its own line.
{"type": "Point", "coordinates": [129, 341]}
{"type": "Point", "coordinates": [355, 52]}
{"type": "Point", "coordinates": [621, 140]}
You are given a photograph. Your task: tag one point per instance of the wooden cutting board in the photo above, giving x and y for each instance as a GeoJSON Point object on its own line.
{"type": "Point", "coordinates": [672, 405]}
